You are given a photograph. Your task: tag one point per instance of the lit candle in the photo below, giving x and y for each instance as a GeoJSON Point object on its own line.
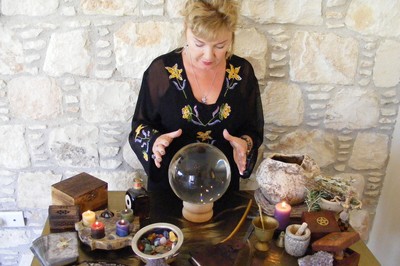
{"type": "Point", "coordinates": [282, 214]}
{"type": "Point", "coordinates": [127, 215]}
{"type": "Point", "coordinates": [122, 228]}
{"type": "Point", "coordinates": [88, 218]}
{"type": "Point", "coordinates": [97, 230]}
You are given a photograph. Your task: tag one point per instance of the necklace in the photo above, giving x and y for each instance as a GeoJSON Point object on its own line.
{"type": "Point", "coordinates": [205, 95]}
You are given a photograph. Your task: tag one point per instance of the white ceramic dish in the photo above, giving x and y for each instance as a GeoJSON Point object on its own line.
{"type": "Point", "coordinates": [168, 256]}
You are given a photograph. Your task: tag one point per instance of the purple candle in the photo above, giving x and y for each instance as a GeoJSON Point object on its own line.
{"type": "Point", "coordinates": [122, 228]}
{"type": "Point", "coordinates": [282, 214]}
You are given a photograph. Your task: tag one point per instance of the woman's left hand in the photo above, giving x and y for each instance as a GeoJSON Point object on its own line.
{"type": "Point", "coordinates": [239, 150]}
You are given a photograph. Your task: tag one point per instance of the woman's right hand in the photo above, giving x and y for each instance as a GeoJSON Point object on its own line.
{"type": "Point", "coordinates": [160, 145]}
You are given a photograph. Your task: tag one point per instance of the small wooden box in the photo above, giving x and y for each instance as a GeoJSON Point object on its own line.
{"type": "Point", "coordinates": [83, 190]}
{"type": "Point", "coordinates": [338, 243]}
{"type": "Point", "coordinates": [320, 223]}
{"type": "Point", "coordinates": [63, 218]}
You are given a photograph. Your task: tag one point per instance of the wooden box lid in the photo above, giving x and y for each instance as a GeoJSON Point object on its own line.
{"type": "Point", "coordinates": [79, 185]}
{"type": "Point", "coordinates": [320, 223]}
{"type": "Point", "coordinates": [64, 212]}
{"type": "Point", "coordinates": [336, 242]}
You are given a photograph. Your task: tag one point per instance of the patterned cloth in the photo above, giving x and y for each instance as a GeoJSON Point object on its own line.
{"type": "Point", "coordinates": [166, 103]}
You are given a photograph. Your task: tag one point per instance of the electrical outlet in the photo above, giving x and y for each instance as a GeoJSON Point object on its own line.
{"type": "Point", "coordinates": [12, 219]}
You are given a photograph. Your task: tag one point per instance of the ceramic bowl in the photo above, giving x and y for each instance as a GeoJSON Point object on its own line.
{"type": "Point", "coordinates": [158, 228]}
{"type": "Point", "coordinates": [330, 206]}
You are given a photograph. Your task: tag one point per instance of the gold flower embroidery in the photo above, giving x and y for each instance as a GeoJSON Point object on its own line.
{"type": "Point", "coordinates": [145, 156]}
{"type": "Point", "coordinates": [187, 112]}
{"type": "Point", "coordinates": [174, 72]}
{"type": "Point", "coordinates": [233, 72]}
{"type": "Point", "coordinates": [139, 129]}
{"type": "Point", "coordinates": [225, 111]}
{"type": "Point", "coordinates": [142, 138]}
{"type": "Point", "coordinates": [204, 136]}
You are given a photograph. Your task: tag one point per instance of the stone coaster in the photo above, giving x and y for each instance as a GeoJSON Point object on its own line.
{"type": "Point", "coordinates": [111, 240]}
{"type": "Point", "coordinates": [269, 208]}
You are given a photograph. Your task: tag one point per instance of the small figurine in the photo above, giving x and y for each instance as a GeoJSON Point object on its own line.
{"type": "Point", "coordinates": [344, 216]}
{"type": "Point", "coordinates": [280, 242]}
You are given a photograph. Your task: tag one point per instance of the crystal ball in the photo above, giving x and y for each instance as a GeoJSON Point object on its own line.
{"type": "Point", "coordinates": [199, 173]}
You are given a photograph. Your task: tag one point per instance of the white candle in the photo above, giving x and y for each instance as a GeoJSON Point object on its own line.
{"type": "Point", "coordinates": [88, 218]}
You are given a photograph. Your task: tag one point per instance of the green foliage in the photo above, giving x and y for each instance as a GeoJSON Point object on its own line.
{"type": "Point", "coordinates": [330, 188]}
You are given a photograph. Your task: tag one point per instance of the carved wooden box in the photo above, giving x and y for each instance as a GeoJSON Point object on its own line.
{"type": "Point", "coordinates": [83, 190]}
{"type": "Point", "coordinates": [63, 218]}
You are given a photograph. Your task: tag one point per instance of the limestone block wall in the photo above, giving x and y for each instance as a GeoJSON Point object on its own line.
{"type": "Point", "coordinates": [70, 71]}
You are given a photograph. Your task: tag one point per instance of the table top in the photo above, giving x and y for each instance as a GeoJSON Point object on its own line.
{"type": "Point", "coordinates": [228, 211]}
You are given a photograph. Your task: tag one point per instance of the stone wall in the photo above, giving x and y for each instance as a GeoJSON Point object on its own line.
{"type": "Point", "coordinates": [70, 72]}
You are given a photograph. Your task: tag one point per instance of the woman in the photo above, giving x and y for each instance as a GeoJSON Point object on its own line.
{"type": "Point", "coordinates": [199, 93]}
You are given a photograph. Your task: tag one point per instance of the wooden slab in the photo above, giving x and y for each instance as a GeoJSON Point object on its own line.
{"type": "Point", "coordinates": [335, 242]}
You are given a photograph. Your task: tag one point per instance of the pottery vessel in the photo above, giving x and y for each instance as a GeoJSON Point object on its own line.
{"type": "Point", "coordinates": [296, 245]}
{"type": "Point", "coordinates": [330, 205]}
{"type": "Point", "coordinates": [282, 177]}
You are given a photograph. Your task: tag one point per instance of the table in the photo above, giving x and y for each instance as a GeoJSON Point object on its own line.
{"type": "Point", "coordinates": [228, 211]}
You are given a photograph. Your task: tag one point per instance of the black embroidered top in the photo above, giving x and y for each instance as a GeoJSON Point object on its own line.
{"type": "Point", "coordinates": [166, 103]}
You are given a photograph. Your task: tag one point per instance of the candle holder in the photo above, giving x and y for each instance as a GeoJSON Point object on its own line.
{"type": "Point", "coordinates": [265, 234]}
{"type": "Point", "coordinates": [111, 241]}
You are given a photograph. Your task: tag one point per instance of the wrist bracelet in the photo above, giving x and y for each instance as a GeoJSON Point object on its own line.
{"type": "Point", "coordinates": [249, 144]}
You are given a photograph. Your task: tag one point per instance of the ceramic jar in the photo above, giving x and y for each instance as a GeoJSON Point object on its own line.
{"type": "Point", "coordinates": [283, 177]}
{"type": "Point", "coordinates": [296, 245]}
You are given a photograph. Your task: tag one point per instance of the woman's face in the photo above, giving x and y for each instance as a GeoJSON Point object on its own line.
{"type": "Point", "coordinates": [207, 54]}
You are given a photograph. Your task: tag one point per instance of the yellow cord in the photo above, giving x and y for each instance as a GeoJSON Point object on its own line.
{"type": "Point", "coordinates": [240, 222]}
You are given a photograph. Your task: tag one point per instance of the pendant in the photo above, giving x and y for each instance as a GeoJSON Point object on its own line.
{"type": "Point", "coordinates": [204, 99]}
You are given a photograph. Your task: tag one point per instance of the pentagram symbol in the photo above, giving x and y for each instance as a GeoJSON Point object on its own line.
{"type": "Point", "coordinates": [322, 221]}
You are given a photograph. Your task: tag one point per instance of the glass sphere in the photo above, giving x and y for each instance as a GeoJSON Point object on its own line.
{"type": "Point", "coordinates": [199, 173]}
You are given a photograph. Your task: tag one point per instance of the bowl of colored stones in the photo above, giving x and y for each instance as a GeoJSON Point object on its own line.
{"type": "Point", "coordinates": [157, 241]}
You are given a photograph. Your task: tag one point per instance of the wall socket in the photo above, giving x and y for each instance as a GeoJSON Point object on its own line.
{"type": "Point", "coordinates": [12, 219]}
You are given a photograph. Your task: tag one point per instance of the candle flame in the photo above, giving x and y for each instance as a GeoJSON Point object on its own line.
{"type": "Point", "coordinates": [284, 204]}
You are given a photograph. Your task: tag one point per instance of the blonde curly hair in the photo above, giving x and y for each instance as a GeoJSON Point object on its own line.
{"type": "Point", "coordinates": [207, 18]}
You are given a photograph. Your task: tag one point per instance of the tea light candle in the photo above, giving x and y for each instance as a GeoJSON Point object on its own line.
{"type": "Point", "coordinates": [282, 214]}
{"type": "Point", "coordinates": [127, 215]}
{"type": "Point", "coordinates": [97, 230]}
{"type": "Point", "coordinates": [122, 228]}
{"type": "Point", "coordinates": [88, 218]}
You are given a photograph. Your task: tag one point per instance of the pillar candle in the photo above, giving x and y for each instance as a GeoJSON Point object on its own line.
{"type": "Point", "coordinates": [97, 230]}
{"type": "Point", "coordinates": [122, 228]}
{"type": "Point", "coordinates": [127, 215]}
{"type": "Point", "coordinates": [282, 214]}
{"type": "Point", "coordinates": [88, 218]}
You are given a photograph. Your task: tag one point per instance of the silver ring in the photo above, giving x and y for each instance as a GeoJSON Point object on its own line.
{"type": "Point", "coordinates": [153, 156]}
